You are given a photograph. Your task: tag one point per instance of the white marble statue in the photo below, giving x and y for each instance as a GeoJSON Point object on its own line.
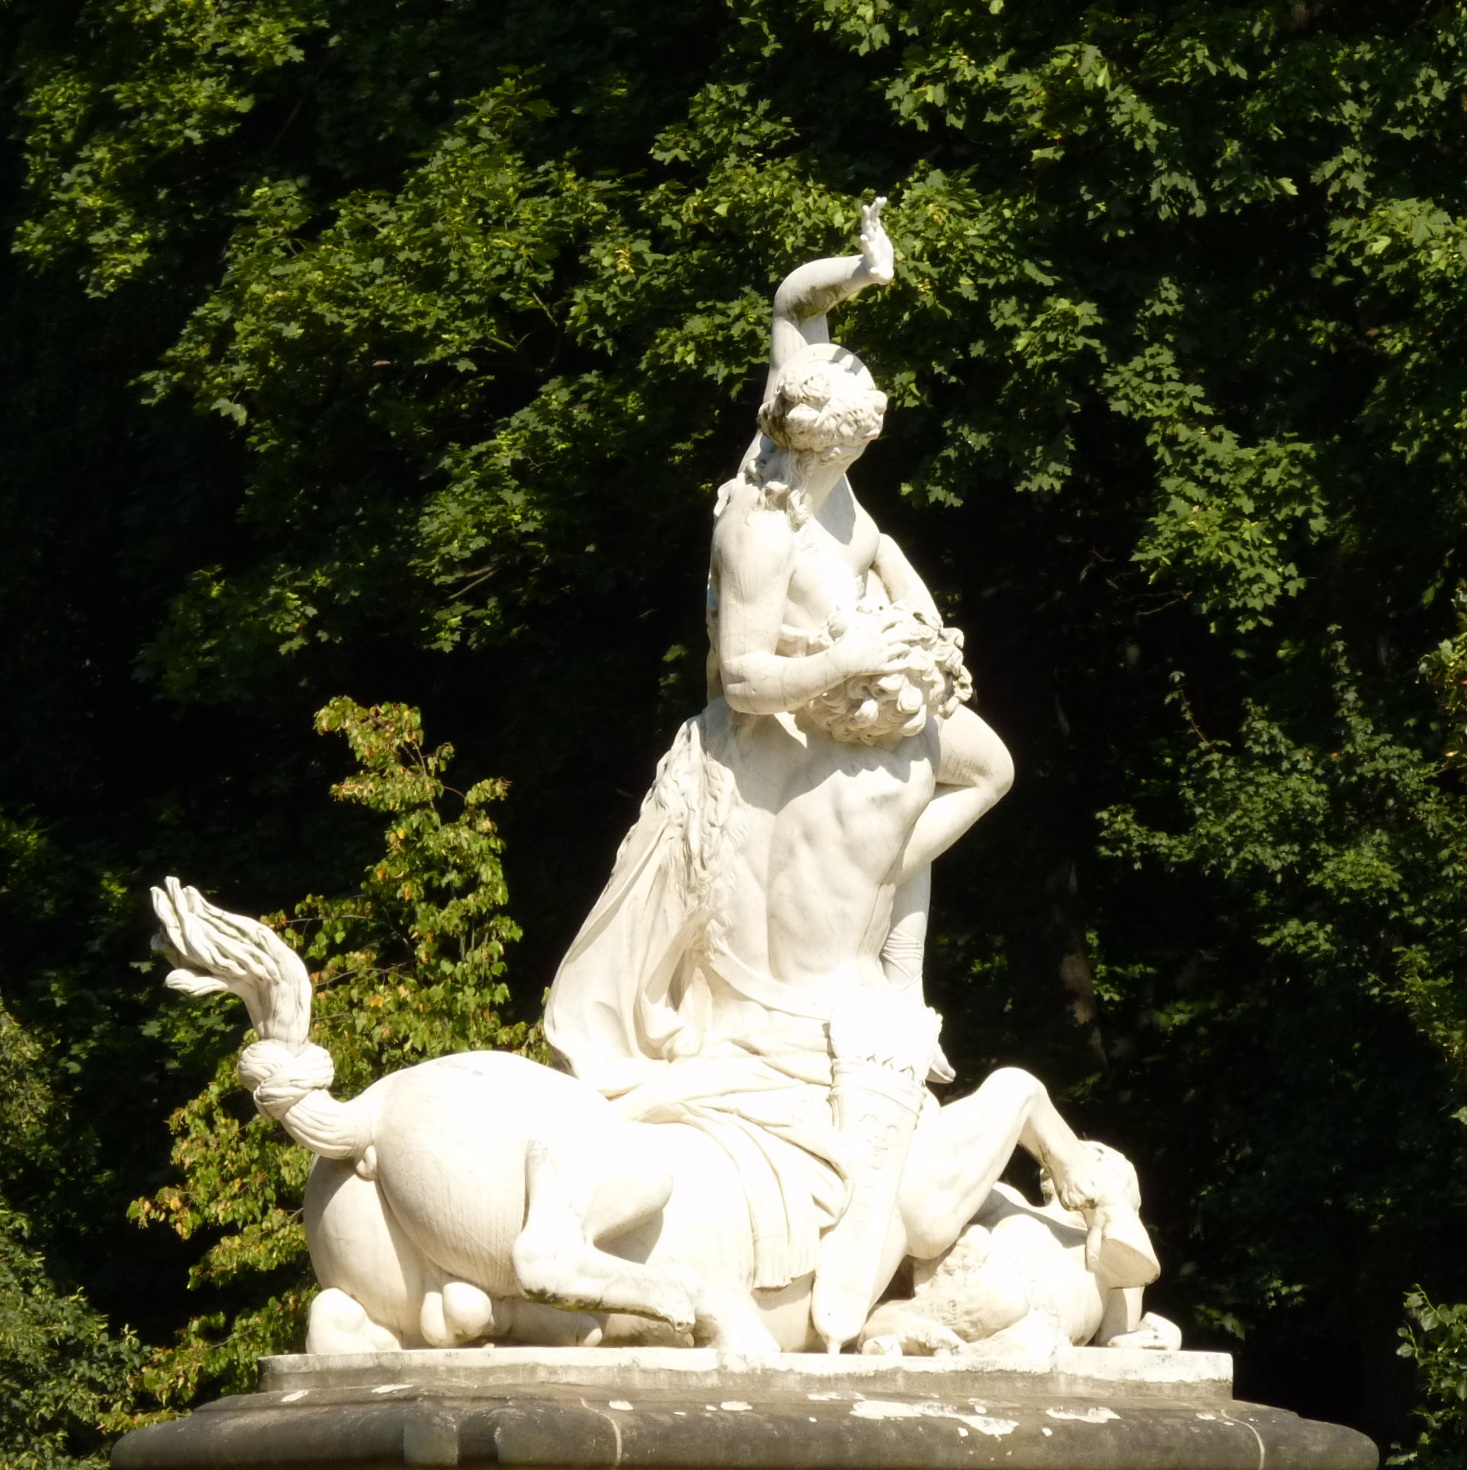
{"type": "Point", "coordinates": [1017, 1277]}
{"type": "Point", "coordinates": [743, 1151]}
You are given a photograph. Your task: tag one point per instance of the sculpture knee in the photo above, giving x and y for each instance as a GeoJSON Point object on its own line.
{"type": "Point", "coordinates": [542, 1263]}
{"type": "Point", "coordinates": [340, 1324]}
{"type": "Point", "coordinates": [999, 775]}
{"type": "Point", "coordinates": [973, 755]}
{"type": "Point", "coordinates": [1012, 1086]}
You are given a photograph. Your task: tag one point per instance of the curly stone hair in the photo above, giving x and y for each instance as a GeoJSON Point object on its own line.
{"type": "Point", "coordinates": [872, 710]}
{"type": "Point", "coordinates": [824, 404]}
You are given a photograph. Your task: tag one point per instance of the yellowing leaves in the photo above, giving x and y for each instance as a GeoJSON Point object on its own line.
{"type": "Point", "coordinates": [410, 966]}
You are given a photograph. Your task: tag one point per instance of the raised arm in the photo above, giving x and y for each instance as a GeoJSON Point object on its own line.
{"type": "Point", "coordinates": [806, 295]}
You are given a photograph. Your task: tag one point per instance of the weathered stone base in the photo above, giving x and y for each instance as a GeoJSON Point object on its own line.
{"type": "Point", "coordinates": [650, 1409]}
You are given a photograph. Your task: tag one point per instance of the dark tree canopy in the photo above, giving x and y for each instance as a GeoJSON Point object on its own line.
{"type": "Point", "coordinates": [392, 349]}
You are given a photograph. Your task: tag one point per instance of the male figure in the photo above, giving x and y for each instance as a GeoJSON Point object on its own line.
{"type": "Point", "coordinates": [856, 823]}
{"type": "Point", "coordinates": [826, 883]}
{"type": "Point", "coordinates": [772, 898]}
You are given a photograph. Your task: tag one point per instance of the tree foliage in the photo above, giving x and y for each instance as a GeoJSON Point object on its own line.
{"type": "Point", "coordinates": [395, 348]}
{"type": "Point", "coordinates": [1436, 1338]}
{"type": "Point", "coordinates": [406, 968]}
{"type": "Point", "coordinates": [65, 1378]}
{"type": "Point", "coordinates": [62, 1375]}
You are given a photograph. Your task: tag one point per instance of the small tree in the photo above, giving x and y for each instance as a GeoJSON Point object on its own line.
{"type": "Point", "coordinates": [408, 967]}
{"type": "Point", "coordinates": [1436, 1340]}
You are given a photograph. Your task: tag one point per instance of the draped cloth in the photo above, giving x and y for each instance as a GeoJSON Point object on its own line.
{"type": "Point", "coordinates": [628, 1009]}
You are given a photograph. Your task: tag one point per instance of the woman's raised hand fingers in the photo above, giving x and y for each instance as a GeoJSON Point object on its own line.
{"type": "Point", "coordinates": [876, 249]}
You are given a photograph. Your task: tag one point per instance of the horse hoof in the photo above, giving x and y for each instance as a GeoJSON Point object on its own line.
{"type": "Point", "coordinates": [673, 1302]}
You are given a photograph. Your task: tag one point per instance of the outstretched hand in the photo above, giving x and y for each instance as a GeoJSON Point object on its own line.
{"type": "Point", "coordinates": [876, 247]}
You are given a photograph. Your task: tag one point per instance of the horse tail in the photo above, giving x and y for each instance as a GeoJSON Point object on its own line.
{"type": "Point", "coordinates": [288, 1075]}
{"type": "Point", "coordinates": [293, 1087]}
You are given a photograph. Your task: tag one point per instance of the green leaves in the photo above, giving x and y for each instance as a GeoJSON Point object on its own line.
{"type": "Point", "coordinates": [398, 346]}
{"type": "Point", "coordinates": [1333, 847]}
{"type": "Point", "coordinates": [411, 965]}
{"type": "Point", "coordinates": [1232, 512]}
{"type": "Point", "coordinates": [408, 967]}
{"type": "Point", "coordinates": [1435, 1339]}
{"type": "Point", "coordinates": [61, 1374]}
{"type": "Point", "coordinates": [176, 80]}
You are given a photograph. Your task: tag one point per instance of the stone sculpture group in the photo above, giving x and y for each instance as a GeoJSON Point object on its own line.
{"type": "Point", "coordinates": [741, 1150]}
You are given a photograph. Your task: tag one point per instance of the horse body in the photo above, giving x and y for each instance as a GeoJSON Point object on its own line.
{"type": "Point", "coordinates": [484, 1177]}
{"type": "Point", "coordinates": [483, 1196]}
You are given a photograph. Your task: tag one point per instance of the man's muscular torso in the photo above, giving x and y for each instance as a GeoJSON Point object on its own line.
{"type": "Point", "coordinates": [825, 821]}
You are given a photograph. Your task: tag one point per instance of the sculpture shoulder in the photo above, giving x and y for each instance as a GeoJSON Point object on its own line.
{"type": "Point", "coordinates": [865, 523]}
{"type": "Point", "coordinates": [868, 537]}
{"type": "Point", "coordinates": [751, 535]}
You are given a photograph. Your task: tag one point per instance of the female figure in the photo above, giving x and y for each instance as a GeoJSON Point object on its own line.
{"type": "Point", "coordinates": [819, 618]}
{"type": "Point", "coordinates": [784, 855]}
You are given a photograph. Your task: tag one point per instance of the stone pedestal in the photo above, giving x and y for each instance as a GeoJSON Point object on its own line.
{"type": "Point", "coordinates": [671, 1409]}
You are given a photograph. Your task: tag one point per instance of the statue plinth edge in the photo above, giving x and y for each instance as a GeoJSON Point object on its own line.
{"type": "Point", "coordinates": [693, 1409]}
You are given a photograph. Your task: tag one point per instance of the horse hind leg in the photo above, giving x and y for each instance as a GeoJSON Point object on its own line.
{"type": "Point", "coordinates": [362, 1255]}
{"type": "Point", "coordinates": [463, 1313]}
{"type": "Point", "coordinates": [579, 1194]}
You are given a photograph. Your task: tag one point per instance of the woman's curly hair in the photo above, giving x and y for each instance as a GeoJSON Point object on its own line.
{"type": "Point", "coordinates": [820, 404]}
{"type": "Point", "coordinates": [824, 404]}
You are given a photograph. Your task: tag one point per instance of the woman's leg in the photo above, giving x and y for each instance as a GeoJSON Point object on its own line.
{"type": "Point", "coordinates": [974, 772]}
